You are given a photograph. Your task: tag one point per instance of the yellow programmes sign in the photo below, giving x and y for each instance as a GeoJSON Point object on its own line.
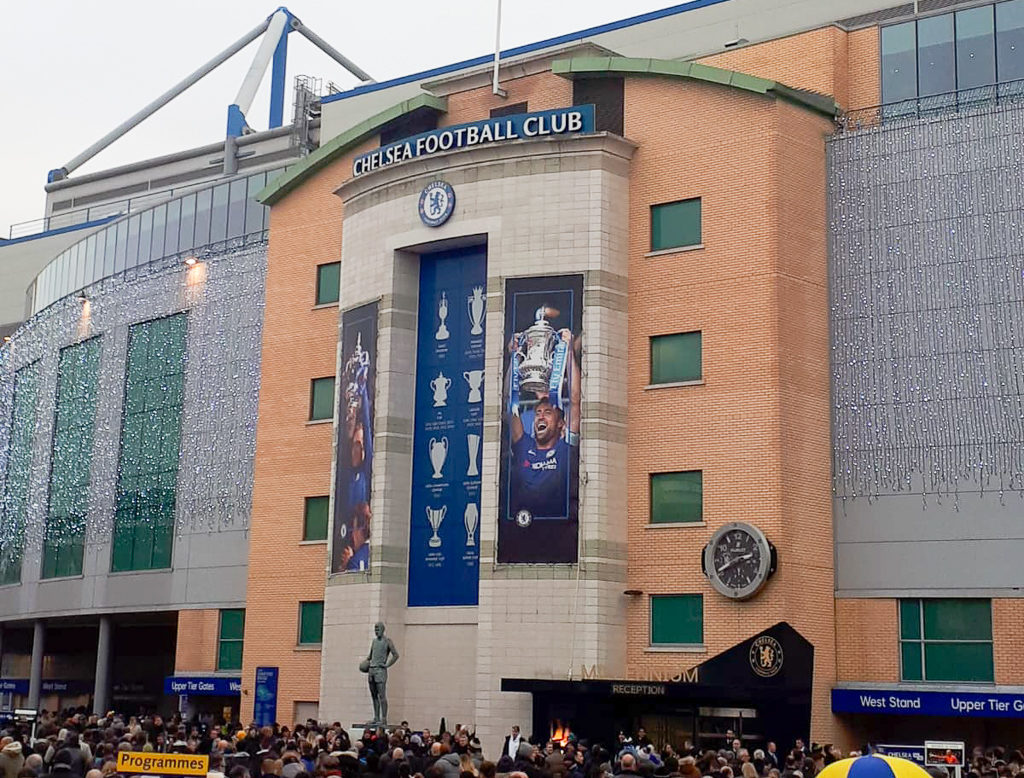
{"type": "Point", "coordinates": [162, 764]}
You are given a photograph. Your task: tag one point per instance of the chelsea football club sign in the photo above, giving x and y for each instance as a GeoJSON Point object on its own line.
{"type": "Point", "coordinates": [437, 201]}
{"type": "Point", "coordinates": [524, 126]}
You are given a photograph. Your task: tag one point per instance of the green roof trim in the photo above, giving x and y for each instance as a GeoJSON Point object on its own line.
{"type": "Point", "coordinates": [300, 171]}
{"type": "Point", "coordinates": [634, 66]}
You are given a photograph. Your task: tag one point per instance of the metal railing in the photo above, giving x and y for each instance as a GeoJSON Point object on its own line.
{"type": "Point", "coordinates": [1004, 94]}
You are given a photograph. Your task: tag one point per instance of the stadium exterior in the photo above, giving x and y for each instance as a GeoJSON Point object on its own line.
{"type": "Point", "coordinates": [673, 385]}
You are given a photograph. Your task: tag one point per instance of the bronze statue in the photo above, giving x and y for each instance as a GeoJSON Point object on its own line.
{"type": "Point", "coordinates": [382, 655]}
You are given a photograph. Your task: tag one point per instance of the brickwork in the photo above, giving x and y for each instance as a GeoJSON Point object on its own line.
{"type": "Point", "coordinates": [1007, 638]}
{"type": "Point", "coordinates": [540, 92]}
{"type": "Point", "coordinates": [293, 457]}
{"type": "Point", "coordinates": [196, 647]}
{"type": "Point", "coordinates": [868, 645]}
{"type": "Point", "coordinates": [758, 425]}
{"type": "Point", "coordinates": [828, 60]}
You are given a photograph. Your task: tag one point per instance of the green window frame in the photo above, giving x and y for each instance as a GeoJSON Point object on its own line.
{"type": "Point", "coordinates": [677, 497]}
{"type": "Point", "coordinates": [677, 620]}
{"type": "Point", "coordinates": [314, 522]}
{"type": "Point", "coordinates": [14, 507]}
{"type": "Point", "coordinates": [230, 639]}
{"type": "Point", "coordinates": [946, 640]}
{"type": "Point", "coordinates": [321, 399]}
{"type": "Point", "coordinates": [328, 283]}
{"type": "Point", "coordinates": [311, 623]}
{"type": "Point", "coordinates": [78, 370]}
{"type": "Point", "coordinates": [676, 225]}
{"type": "Point", "coordinates": [150, 445]}
{"type": "Point", "coordinates": [676, 358]}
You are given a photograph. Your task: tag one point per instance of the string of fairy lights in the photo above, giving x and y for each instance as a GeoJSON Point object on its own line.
{"type": "Point", "coordinates": [222, 296]}
{"type": "Point", "coordinates": [927, 295]}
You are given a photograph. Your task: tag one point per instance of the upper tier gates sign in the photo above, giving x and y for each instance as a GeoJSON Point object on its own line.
{"type": "Point", "coordinates": [523, 126]}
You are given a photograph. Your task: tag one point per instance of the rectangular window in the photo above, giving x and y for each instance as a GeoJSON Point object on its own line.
{"type": "Point", "coordinates": [77, 379]}
{"type": "Point", "coordinates": [677, 620]}
{"type": "Point", "coordinates": [936, 69]}
{"type": "Point", "coordinates": [677, 497]}
{"type": "Point", "coordinates": [675, 225]}
{"type": "Point", "coordinates": [946, 640]}
{"type": "Point", "coordinates": [975, 48]}
{"type": "Point", "coordinates": [1010, 40]}
{"type": "Point", "coordinates": [314, 526]}
{"type": "Point", "coordinates": [899, 62]}
{"type": "Point", "coordinates": [509, 110]}
{"type": "Point", "coordinates": [229, 642]}
{"type": "Point", "coordinates": [321, 399]}
{"type": "Point", "coordinates": [676, 358]}
{"type": "Point", "coordinates": [147, 469]}
{"type": "Point", "coordinates": [311, 623]}
{"type": "Point", "coordinates": [328, 283]}
{"type": "Point", "coordinates": [15, 506]}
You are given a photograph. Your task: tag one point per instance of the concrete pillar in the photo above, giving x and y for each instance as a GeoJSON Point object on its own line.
{"type": "Point", "coordinates": [35, 680]}
{"type": "Point", "coordinates": [101, 692]}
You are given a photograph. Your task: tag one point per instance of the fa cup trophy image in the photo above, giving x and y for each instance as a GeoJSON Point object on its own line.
{"type": "Point", "coordinates": [536, 352]}
{"type": "Point", "coordinates": [435, 516]}
{"type": "Point", "coordinates": [477, 304]}
{"type": "Point", "coordinates": [440, 386]}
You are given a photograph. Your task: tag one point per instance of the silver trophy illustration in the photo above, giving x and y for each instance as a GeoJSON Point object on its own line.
{"type": "Point", "coordinates": [537, 350]}
{"type": "Point", "coordinates": [473, 444]}
{"type": "Point", "coordinates": [440, 386]}
{"type": "Point", "coordinates": [475, 379]}
{"type": "Point", "coordinates": [471, 519]}
{"type": "Point", "coordinates": [477, 305]}
{"type": "Point", "coordinates": [435, 516]}
{"type": "Point", "coordinates": [442, 314]}
{"type": "Point", "coordinates": [438, 450]}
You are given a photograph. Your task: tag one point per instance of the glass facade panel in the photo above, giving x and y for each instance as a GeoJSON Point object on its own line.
{"type": "Point", "coordinates": [219, 215]}
{"type": "Point", "coordinates": [899, 62]}
{"type": "Point", "coordinates": [204, 200]}
{"type": "Point", "coordinates": [314, 525]}
{"type": "Point", "coordinates": [321, 399]}
{"type": "Point", "coordinates": [677, 497]}
{"type": "Point", "coordinates": [109, 245]}
{"type": "Point", "coordinates": [328, 283]}
{"type": "Point", "coordinates": [187, 225]}
{"type": "Point", "coordinates": [677, 619]}
{"type": "Point", "coordinates": [159, 224]}
{"type": "Point", "coordinates": [957, 619]}
{"type": "Point", "coordinates": [966, 662]}
{"type": "Point", "coordinates": [132, 250]}
{"type": "Point", "coordinates": [311, 622]}
{"type": "Point", "coordinates": [675, 225]}
{"type": "Point", "coordinates": [150, 440]}
{"type": "Point", "coordinates": [676, 358]}
{"type": "Point", "coordinates": [14, 508]}
{"type": "Point", "coordinates": [1010, 40]}
{"type": "Point", "coordinates": [77, 382]}
{"type": "Point", "coordinates": [119, 250]}
{"type": "Point", "coordinates": [145, 236]}
{"type": "Point", "coordinates": [236, 208]}
{"type": "Point", "coordinates": [173, 227]}
{"type": "Point", "coordinates": [910, 619]}
{"type": "Point", "coordinates": [253, 208]}
{"type": "Point", "coordinates": [975, 48]}
{"type": "Point", "coordinates": [910, 658]}
{"type": "Point", "coordinates": [936, 60]}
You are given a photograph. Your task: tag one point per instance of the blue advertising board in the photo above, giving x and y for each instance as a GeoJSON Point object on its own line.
{"type": "Point", "coordinates": [444, 538]}
{"type": "Point", "coordinates": [48, 686]}
{"type": "Point", "coordinates": [264, 710]}
{"type": "Point", "coordinates": [524, 126]}
{"type": "Point", "coordinates": [928, 703]}
{"type": "Point", "coordinates": [209, 686]}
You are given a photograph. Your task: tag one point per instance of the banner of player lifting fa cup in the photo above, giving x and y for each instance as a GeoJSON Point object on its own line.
{"type": "Point", "coordinates": [538, 497]}
{"type": "Point", "coordinates": [354, 472]}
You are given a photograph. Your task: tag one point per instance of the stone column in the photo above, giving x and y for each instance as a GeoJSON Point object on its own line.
{"type": "Point", "coordinates": [101, 692]}
{"type": "Point", "coordinates": [35, 681]}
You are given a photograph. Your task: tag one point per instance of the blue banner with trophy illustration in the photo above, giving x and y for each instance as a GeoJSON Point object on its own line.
{"type": "Point", "coordinates": [538, 490]}
{"type": "Point", "coordinates": [444, 537]}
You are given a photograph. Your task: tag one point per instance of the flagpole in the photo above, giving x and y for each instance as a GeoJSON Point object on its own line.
{"type": "Point", "coordinates": [496, 89]}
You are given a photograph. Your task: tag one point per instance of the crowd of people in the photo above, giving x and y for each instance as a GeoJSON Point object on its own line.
{"type": "Point", "coordinates": [77, 745]}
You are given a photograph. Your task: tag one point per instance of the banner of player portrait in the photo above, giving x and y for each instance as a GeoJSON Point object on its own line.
{"type": "Point", "coordinates": [538, 497]}
{"type": "Point", "coordinates": [354, 471]}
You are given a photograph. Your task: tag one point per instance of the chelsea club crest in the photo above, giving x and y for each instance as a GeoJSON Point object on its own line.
{"type": "Point", "coordinates": [437, 201]}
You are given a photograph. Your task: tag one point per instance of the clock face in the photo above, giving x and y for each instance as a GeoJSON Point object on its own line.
{"type": "Point", "coordinates": [738, 560]}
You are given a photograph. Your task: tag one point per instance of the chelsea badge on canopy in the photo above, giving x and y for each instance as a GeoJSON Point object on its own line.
{"type": "Point", "coordinates": [437, 201]}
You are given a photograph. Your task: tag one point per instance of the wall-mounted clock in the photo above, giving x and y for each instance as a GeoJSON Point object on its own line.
{"type": "Point", "coordinates": [738, 560]}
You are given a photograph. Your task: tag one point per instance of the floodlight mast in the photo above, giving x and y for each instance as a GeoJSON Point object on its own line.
{"type": "Point", "coordinates": [273, 48]}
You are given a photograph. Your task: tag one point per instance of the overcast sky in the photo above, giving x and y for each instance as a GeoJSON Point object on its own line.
{"type": "Point", "coordinates": [75, 69]}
